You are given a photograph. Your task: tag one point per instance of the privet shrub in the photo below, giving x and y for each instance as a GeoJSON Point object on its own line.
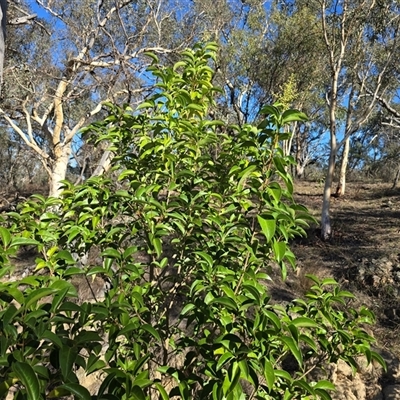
{"type": "Point", "coordinates": [186, 236]}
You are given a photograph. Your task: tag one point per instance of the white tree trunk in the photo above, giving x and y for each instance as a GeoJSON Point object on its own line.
{"type": "Point", "coordinates": [104, 163]}
{"type": "Point", "coordinates": [341, 188]}
{"type": "Point", "coordinates": [396, 178]}
{"type": "Point", "coordinates": [3, 19]}
{"type": "Point", "coordinates": [326, 228]}
{"type": "Point", "coordinates": [299, 170]}
{"type": "Point", "coordinates": [59, 171]}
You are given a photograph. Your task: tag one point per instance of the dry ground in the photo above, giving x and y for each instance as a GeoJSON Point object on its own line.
{"type": "Point", "coordinates": [364, 252]}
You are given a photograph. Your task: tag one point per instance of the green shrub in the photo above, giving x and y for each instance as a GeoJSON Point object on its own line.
{"type": "Point", "coordinates": [187, 235]}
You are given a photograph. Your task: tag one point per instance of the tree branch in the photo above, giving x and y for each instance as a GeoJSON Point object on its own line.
{"type": "Point", "coordinates": [43, 155]}
{"type": "Point", "coordinates": [22, 20]}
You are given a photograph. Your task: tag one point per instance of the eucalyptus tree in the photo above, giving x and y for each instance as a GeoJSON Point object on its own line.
{"type": "Point", "coordinates": [356, 66]}
{"type": "Point", "coordinates": [62, 69]}
{"type": "Point", "coordinates": [241, 30]}
{"type": "Point", "coordinates": [294, 58]}
{"type": "Point", "coordinates": [3, 20]}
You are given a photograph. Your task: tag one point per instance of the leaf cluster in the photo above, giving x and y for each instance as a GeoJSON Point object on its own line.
{"type": "Point", "coordinates": [187, 236]}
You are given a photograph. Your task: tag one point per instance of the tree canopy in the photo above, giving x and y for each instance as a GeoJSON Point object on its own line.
{"type": "Point", "coordinates": [336, 61]}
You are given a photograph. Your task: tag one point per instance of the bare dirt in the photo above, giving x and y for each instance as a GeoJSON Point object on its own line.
{"type": "Point", "coordinates": [363, 254]}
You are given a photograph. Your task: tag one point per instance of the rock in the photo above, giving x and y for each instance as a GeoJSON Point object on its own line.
{"type": "Point", "coordinates": [391, 392]}
{"type": "Point", "coordinates": [393, 368]}
{"type": "Point", "coordinates": [363, 385]}
{"type": "Point", "coordinates": [91, 382]}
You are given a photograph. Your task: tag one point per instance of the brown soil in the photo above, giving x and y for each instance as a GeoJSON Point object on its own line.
{"type": "Point", "coordinates": [366, 225]}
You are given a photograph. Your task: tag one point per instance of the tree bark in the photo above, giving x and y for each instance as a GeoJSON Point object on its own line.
{"type": "Point", "coordinates": [104, 163]}
{"type": "Point", "coordinates": [59, 171]}
{"type": "Point", "coordinates": [396, 178]}
{"type": "Point", "coordinates": [341, 188]}
{"type": "Point", "coordinates": [299, 170]}
{"type": "Point", "coordinates": [3, 19]}
{"type": "Point", "coordinates": [326, 228]}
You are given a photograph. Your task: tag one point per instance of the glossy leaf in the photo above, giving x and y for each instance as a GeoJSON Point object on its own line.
{"type": "Point", "coordinates": [78, 391]}
{"type": "Point", "coordinates": [268, 227]}
{"type": "Point", "coordinates": [28, 378]}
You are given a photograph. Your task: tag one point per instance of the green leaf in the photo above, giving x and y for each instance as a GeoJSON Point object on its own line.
{"type": "Point", "coordinates": [5, 236]}
{"type": "Point", "coordinates": [75, 389]}
{"type": "Point", "coordinates": [304, 385]}
{"type": "Point", "coordinates": [22, 241]}
{"type": "Point", "coordinates": [66, 256]}
{"type": "Point", "coordinates": [157, 246]}
{"type": "Point", "coordinates": [274, 319]}
{"type": "Point", "coordinates": [52, 337]}
{"type": "Point", "coordinates": [268, 227]}
{"type": "Point", "coordinates": [329, 281]}
{"type": "Point", "coordinates": [284, 375]}
{"type": "Point", "coordinates": [69, 306]}
{"type": "Point", "coordinates": [224, 359]}
{"type": "Point", "coordinates": [142, 382]}
{"type": "Point", "coordinates": [152, 56]}
{"type": "Point", "coordinates": [41, 371]}
{"type": "Point", "coordinates": [245, 174]}
{"type": "Point", "coordinates": [112, 253]}
{"type": "Point", "coordinates": [225, 301]}
{"type": "Point", "coordinates": [16, 294]}
{"type": "Point", "coordinates": [293, 115]}
{"type": "Point", "coordinates": [67, 356]}
{"type": "Point", "coordinates": [9, 315]}
{"type": "Point", "coordinates": [275, 190]}
{"type": "Point", "coordinates": [195, 107]}
{"type": "Point", "coordinates": [345, 293]}
{"type": "Point", "coordinates": [188, 307]}
{"type": "Point", "coordinates": [27, 376]}
{"type": "Point", "coordinates": [137, 393]}
{"type": "Point", "coordinates": [96, 366]}
{"type": "Point", "coordinates": [377, 357]}
{"type": "Point", "coordinates": [269, 374]}
{"type": "Point", "coordinates": [270, 110]}
{"type": "Point", "coordinates": [325, 385]}
{"type": "Point", "coordinates": [279, 250]}
{"type": "Point", "coordinates": [304, 322]}
{"type": "Point", "coordinates": [205, 257]}
{"type": "Point", "coordinates": [162, 391]}
{"type": "Point", "coordinates": [62, 286]}
{"type": "Point", "coordinates": [146, 104]}
{"type": "Point", "coordinates": [38, 294]}
{"type": "Point", "coordinates": [294, 349]}
{"type": "Point", "coordinates": [324, 395]}
{"type": "Point", "coordinates": [309, 341]}
{"type": "Point", "coordinates": [148, 328]}
{"type": "Point", "coordinates": [87, 337]}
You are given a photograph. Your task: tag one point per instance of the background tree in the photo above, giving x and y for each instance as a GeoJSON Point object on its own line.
{"type": "Point", "coordinates": [352, 64]}
{"type": "Point", "coordinates": [340, 64]}
{"type": "Point", "coordinates": [82, 54]}
{"type": "Point", "coordinates": [3, 21]}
